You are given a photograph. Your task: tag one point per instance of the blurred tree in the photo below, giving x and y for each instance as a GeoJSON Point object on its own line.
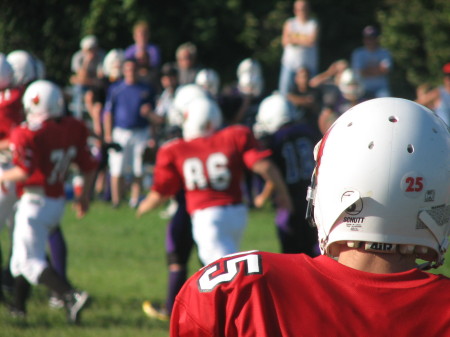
{"type": "Point", "coordinates": [227, 31]}
{"type": "Point", "coordinates": [418, 34]}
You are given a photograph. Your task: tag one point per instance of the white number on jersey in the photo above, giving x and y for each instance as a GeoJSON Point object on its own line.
{"type": "Point", "coordinates": [299, 160]}
{"type": "Point", "coordinates": [231, 267]}
{"type": "Point", "coordinates": [217, 171]}
{"type": "Point", "coordinates": [61, 159]}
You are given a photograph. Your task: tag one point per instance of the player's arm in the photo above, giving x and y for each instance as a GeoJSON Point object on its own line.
{"type": "Point", "coordinates": [81, 204]}
{"type": "Point", "coordinates": [153, 200]}
{"type": "Point", "coordinates": [270, 173]}
{"type": "Point", "coordinates": [13, 174]}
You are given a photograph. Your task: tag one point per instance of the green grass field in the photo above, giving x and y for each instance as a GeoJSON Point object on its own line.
{"type": "Point", "coordinates": [120, 261]}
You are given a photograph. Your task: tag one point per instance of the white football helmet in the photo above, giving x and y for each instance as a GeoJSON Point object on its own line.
{"type": "Point", "coordinates": [202, 118]}
{"type": "Point", "coordinates": [42, 100]}
{"type": "Point", "coordinates": [350, 84]}
{"type": "Point", "coordinates": [25, 69]}
{"type": "Point", "coordinates": [112, 64]}
{"type": "Point", "coordinates": [250, 79]}
{"type": "Point", "coordinates": [209, 80]}
{"type": "Point", "coordinates": [273, 112]}
{"type": "Point", "coordinates": [183, 96]}
{"type": "Point", "coordinates": [383, 180]}
{"type": "Point", "coordinates": [6, 72]}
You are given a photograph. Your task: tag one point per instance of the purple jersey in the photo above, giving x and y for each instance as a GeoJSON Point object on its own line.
{"type": "Point", "coordinates": [292, 147]}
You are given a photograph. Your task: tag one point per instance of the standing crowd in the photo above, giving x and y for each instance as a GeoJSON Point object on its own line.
{"type": "Point", "coordinates": [171, 134]}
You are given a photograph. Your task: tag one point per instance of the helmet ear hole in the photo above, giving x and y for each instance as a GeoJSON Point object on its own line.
{"type": "Point", "coordinates": [410, 148]}
{"type": "Point", "coordinates": [393, 119]}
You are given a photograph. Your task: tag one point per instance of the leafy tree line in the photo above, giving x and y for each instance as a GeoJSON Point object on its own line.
{"type": "Point", "coordinates": [416, 31]}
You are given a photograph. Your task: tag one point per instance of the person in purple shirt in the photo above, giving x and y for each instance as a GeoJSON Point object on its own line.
{"type": "Point", "coordinates": [146, 54]}
{"type": "Point", "coordinates": [128, 119]}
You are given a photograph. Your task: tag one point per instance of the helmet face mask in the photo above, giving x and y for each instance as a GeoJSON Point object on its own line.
{"type": "Point", "coordinates": [374, 182]}
{"type": "Point", "coordinates": [42, 100]}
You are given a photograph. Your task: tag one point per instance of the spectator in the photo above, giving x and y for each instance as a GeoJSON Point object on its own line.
{"type": "Point", "coordinates": [87, 73]}
{"type": "Point", "coordinates": [300, 45]}
{"type": "Point", "coordinates": [146, 54]}
{"type": "Point", "coordinates": [373, 64]}
{"type": "Point", "coordinates": [306, 99]}
{"type": "Point", "coordinates": [42, 152]}
{"type": "Point", "coordinates": [187, 63]}
{"type": "Point", "coordinates": [376, 222]}
{"type": "Point", "coordinates": [128, 119]}
{"type": "Point", "coordinates": [438, 99]}
{"type": "Point", "coordinates": [95, 102]}
{"type": "Point", "coordinates": [292, 144]}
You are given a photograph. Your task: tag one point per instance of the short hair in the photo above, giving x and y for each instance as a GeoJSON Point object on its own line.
{"type": "Point", "coordinates": [189, 46]}
{"type": "Point", "coordinates": [141, 24]}
{"type": "Point", "coordinates": [169, 69]}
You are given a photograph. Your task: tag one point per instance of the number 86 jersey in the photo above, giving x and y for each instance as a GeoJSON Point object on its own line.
{"type": "Point", "coordinates": [208, 168]}
{"type": "Point", "coordinates": [46, 152]}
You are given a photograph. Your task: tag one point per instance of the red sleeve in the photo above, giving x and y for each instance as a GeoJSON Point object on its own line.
{"type": "Point", "coordinates": [251, 149]}
{"type": "Point", "coordinates": [22, 149]}
{"type": "Point", "coordinates": [166, 179]}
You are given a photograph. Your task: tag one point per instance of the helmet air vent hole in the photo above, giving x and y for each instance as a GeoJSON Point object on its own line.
{"type": "Point", "coordinates": [349, 124]}
{"type": "Point", "coordinates": [371, 145]}
{"type": "Point", "coordinates": [434, 130]}
{"type": "Point", "coordinates": [393, 119]}
{"type": "Point", "coordinates": [410, 148]}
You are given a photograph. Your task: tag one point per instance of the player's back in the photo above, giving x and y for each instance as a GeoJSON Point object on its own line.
{"type": "Point", "coordinates": [50, 149]}
{"type": "Point", "coordinates": [211, 167]}
{"type": "Point", "coordinates": [265, 294]}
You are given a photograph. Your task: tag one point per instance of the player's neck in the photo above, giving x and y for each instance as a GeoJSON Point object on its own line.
{"type": "Point", "coordinates": [374, 262]}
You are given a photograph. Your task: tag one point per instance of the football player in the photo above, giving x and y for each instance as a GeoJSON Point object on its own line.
{"type": "Point", "coordinates": [11, 115]}
{"type": "Point", "coordinates": [380, 197]}
{"type": "Point", "coordinates": [42, 151]}
{"type": "Point", "coordinates": [208, 163]}
{"type": "Point", "coordinates": [292, 143]}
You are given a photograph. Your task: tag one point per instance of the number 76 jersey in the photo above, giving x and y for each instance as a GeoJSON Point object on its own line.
{"type": "Point", "coordinates": [209, 168]}
{"type": "Point", "coordinates": [47, 151]}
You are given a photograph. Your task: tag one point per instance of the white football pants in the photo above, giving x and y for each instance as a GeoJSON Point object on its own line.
{"type": "Point", "coordinates": [218, 231]}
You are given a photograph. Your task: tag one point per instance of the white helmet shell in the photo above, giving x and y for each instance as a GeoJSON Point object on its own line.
{"type": "Point", "coordinates": [209, 80]}
{"type": "Point", "coordinates": [202, 118]}
{"type": "Point", "coordinates": [112, 64]}
{"type": "Point", "coordinates": [383, 177]}
{"type": "Point", "coordinates": [183, 96]}
{"type": "Point", "coordinates": [42, 100]}
{"type": "Point", "coordinates": [274, 111]}
{"type": "Point", "coordinates": [250, 79]}
{"type": "Point", "coordinates": [350, 84]}
{"type": "Point", "coordinates": [6, 72]}
{"type": "Point", "coordinates": [24, 67]}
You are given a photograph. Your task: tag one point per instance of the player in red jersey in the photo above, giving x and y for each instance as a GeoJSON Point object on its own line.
{"type": "Point", "coordinates": [42, 150]}
{"type": "Point", "coordinates": [380, 198]}
{"type": "Point", "coordinates": [209, 165]}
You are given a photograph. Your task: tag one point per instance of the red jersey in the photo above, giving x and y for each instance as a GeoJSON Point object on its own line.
{"type": "Point", "coordinates": [11, 110]}
{"type": "Point", "coordinates": [209, 168]}
{"type": "Point", "coordinates": [45, 153]}
{"type": "Point", "coordinates": [280, 295]}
